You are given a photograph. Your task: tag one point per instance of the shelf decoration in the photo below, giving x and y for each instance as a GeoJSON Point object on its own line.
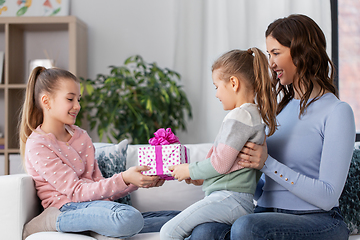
{"type": "Point", "coordinates": [11, 8]}
{"type": "Point", "coordinates": [47, 63]}
{"type": "Point", "coordinates": [2, 141]}
{"type": "Point", "coordinates": [2, 57]}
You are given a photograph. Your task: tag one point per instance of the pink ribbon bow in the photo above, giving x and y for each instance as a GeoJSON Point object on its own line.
{"type": "Point", "coordinates": [163, 137]}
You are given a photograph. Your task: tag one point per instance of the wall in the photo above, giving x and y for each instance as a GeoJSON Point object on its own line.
{"type": "Point", "coordinates": [183, 35]}
{"type": "Point", "coordinates": [349, 55]}
{"type": "Point", "coordinates": [186, 36]}
{"type": "Point", "coordinates": [119, 29]}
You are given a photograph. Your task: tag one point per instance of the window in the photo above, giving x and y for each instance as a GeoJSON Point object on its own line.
{"type": "Point", "coordinates": [349, 56]}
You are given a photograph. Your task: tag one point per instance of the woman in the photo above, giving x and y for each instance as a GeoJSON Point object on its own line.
{"type": "Point", "coordinates": [306, 161]}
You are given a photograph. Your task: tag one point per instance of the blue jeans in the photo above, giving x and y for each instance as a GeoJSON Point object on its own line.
{"type": "Point", "coordinates": [220, 206]}
{"type": "Point", "coordinates": [108, 218]}
{"type": "Point", "coordinates": [278, 224]}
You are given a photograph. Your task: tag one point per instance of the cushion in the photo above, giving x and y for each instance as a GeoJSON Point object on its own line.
{"type": "Point", "coordinates": [111, 160]}
{"type": "Point", "coordinates": [350, 198]}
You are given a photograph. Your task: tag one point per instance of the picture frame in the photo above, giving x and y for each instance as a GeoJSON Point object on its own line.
{"type": "Point", "coordinates": [2, 58]}
{"type": "Point", "coordinates": [12, 8]}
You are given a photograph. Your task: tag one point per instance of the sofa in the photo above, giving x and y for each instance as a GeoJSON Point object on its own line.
{"type": "Point", "coordinates": [19, 202]}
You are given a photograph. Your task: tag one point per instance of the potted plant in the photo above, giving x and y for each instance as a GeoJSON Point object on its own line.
{"type": "Point", "coordinates": [133, 101]}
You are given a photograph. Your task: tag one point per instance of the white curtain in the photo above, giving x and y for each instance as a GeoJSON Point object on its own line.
{"type": "Point", "coordinates": [205, 29]}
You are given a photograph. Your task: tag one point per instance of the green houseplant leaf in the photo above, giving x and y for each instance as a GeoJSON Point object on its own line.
{"type": "Point", "coordinates": [133, 101]}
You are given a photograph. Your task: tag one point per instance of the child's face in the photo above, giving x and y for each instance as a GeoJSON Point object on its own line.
{"type": "Point", "coordinates": [65, 103]}
{"type": "Point", "coordinates": [224, 91]}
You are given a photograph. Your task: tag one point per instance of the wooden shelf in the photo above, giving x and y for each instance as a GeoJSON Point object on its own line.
{"type": "Point", "coordinates": [16, 86]}
{"type": "Point", "coordinates": [20, 47]}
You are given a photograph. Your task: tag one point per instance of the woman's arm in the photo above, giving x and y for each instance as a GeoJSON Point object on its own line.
{"type": "Point", "coordinates": [338, 142]}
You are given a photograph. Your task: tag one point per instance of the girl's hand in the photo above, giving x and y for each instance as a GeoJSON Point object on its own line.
{"type": "Point", "coordinates": [133, 175]}
{"type": "Point", "coordinates": [180, 172]}
{"type": "Point", "coordinates": [198, 182]}
{"type": "Point", "coordinates": [158, 183]}
{"type": "Point", "coordinates": [253, 155]}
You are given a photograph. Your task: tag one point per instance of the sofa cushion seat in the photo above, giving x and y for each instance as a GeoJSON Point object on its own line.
{"type": "Point", "coordinates": [58, 236]}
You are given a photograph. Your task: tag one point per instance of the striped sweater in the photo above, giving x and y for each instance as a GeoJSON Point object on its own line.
{"type": "Point", "coordinates": [220, 170]}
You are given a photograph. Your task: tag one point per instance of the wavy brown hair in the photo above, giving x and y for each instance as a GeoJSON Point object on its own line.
{"type": "Point", "coordinates": [307, 45]}
{"type": "Point", "coordinates": [252, 66]}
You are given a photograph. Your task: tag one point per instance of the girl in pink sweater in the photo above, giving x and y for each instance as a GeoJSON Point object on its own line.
{"type": "Point", "coordinates": [60, 158]}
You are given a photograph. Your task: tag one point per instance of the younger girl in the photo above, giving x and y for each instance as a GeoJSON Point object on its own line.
{"type": "Point", "coordinates": [60, 158]}
{"type": "Point", "coordinates": [241, 79]}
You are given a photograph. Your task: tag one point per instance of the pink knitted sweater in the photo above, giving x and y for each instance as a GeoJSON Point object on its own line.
{"type": "Point", "coordinates": [68, 171]}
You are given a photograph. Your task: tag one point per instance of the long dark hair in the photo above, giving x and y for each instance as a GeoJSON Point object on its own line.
{"type": "Point", "coordinates": [308, 51]}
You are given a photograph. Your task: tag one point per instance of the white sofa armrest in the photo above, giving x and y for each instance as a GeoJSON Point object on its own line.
{"type": "Point", "coordinates": [19, 204]}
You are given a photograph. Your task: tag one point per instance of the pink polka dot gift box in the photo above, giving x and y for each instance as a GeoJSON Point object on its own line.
{"type": "Point", "coordinates": [166, 150]}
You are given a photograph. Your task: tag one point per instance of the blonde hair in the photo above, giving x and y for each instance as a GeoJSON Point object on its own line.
{"type": "Point", "coordinates": [41, 80]}
{"type": "Point", "coordinates": [253, 67]}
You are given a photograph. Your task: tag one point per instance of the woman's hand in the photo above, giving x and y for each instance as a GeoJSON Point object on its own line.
{"type": "Point", "coordinates": [253, 155]}
{"type": "Point", "coordinates": [157, 183]}
{"type": "Point", "coordinates": [133, 175]}
{"type": "Point", "coordinates": [198, 182]}
{"type": "Point", "coordinates": [180, 172]}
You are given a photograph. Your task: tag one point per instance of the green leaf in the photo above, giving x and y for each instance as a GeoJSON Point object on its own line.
{"type": "Point", "coordinates": [21, 11]}
{"type": "Point", "coordinates": [149, 105]}
{"type": "Point", "coordinates": [89, 89]}
{"type": "Point", "coordinates": [129, 60]}
{"type": "Point", "coordinates": [165, 94]}
{"type": "Point", "coordinates": [55, 12]}
{"type": "Point", "coordinates": [82, 88]}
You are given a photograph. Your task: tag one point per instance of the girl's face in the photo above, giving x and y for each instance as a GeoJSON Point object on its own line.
{"type": "Point", "coordinates": [280, 61]}
{"type": "Point", "coordinates": [224, 91]}
{"type": "Point", "coordinates": [64, 105]}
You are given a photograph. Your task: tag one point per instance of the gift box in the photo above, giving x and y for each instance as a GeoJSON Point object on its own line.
{"type": "Point", "coordinates": [166, 150]}
{"type": "Point", "coordinates": [160, 157]}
